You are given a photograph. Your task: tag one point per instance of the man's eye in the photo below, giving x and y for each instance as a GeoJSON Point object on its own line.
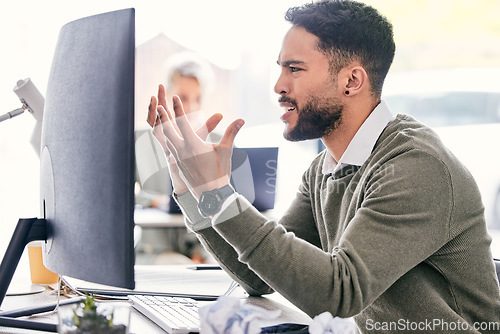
{"type": "Point", "coordinates": [294, 69]}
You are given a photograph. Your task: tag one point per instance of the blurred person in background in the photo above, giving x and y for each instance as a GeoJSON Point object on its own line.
{"type": "Point", "coordinates": [190, 77]}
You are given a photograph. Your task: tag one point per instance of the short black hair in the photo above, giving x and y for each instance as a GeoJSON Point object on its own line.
{"type": "Point", "coordinates": [349, 31]}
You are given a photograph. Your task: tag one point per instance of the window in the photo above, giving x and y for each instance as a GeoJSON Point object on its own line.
{"type": "Point", "coordinates": [448, 109]}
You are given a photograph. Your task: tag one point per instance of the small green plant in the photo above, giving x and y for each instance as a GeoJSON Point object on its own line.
{"type": "Point", "coordinates": [87, 319]}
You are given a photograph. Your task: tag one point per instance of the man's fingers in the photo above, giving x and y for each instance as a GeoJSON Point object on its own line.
{"type": "Point", "coordinates": [186, 131]}
{"type": "Point", "coordinates": [173, 156]}
{"type": "Point", "coordinates": [168, 126]}
{"type": "Point", "coordinates": [162, 96]}
{"type": "Point", "coordinates": [164, 113]}
{"type": "Point", "coordinates": [160, 136]}
{"type": "Point", "coordinates": [209, 126]}
{"type": "Point", "coordinates": [167, 116]}
{"type": "Point", "coordinates": [231, 132]}
{"type": "Point", "coordinates": [152, 113]}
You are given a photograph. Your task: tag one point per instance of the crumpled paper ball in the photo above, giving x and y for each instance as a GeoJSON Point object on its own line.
{"type": "Point", "coordinates": [325, 323]}
{"type": "Point", "coordinates": [228, 316]}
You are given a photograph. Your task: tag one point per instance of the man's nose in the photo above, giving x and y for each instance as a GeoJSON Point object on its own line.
{"type": "Point", "coordinates": [281, 87]}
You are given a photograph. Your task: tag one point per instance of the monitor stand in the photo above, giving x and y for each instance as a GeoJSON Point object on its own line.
{"type": "Point", "coordinates": [23, 288]}
{"type": "Point", "coordinates": [27, 230]}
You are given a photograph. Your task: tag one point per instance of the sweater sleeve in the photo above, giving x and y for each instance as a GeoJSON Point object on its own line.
{"type": "Point", "coordinates": [223, 252]}
{"type": "Point", "coordinates": [298, 219]}
{"type": "Point", "coordinates": [410, 196]}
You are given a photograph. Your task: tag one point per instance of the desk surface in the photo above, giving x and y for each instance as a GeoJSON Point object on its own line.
{"type": "Point", "coordinates": [151, 217]}
{"type": "Point", "coordinates": [141, 324]}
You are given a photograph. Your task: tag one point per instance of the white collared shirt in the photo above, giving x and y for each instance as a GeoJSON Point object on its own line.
{"type": "Point", "coordinates": [361, 145]}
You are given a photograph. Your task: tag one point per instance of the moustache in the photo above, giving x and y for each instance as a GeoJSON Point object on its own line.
{"type": "Point", "coordinates": [285, 99]}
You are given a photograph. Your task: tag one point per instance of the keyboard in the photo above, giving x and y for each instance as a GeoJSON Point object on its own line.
{"type": "Point", "coordinates": [173, 314]}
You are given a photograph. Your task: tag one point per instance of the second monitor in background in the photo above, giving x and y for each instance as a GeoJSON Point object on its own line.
{"type": "Point", "coordinates": [253, 174]}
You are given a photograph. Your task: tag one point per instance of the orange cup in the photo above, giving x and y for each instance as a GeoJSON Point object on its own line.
{"type": "Point", "coordinates": [39, 273]}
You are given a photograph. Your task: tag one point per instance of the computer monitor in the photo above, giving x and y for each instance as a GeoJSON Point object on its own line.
{"type": "Point", "coordinates": [87, 155]}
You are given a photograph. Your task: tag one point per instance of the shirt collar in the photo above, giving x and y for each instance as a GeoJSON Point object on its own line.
{"type": "Point", "coordinates": [361, 145]}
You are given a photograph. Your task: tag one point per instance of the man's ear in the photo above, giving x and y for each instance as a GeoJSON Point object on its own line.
{"type": "Point", "coordinates": [355, 80]}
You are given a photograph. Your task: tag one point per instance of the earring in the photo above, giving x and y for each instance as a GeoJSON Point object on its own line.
{"type": "Point", "coordinates": [346, 92]}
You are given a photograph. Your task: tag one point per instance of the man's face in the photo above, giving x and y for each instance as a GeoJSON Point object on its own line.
{"type": "Point", "coordinates": [308, 91]}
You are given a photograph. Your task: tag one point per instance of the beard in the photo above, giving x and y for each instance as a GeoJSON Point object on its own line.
{"type": "Point", "coordinates": [318, 118]}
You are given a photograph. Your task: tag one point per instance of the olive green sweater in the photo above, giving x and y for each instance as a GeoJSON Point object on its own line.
{"type": "Point", "coordinates": [399, 243]}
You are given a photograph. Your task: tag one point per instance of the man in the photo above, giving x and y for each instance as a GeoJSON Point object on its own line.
{"type": "Point", "coordinates": [387, 226]}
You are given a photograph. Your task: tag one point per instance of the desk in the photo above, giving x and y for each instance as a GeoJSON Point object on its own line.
{"type": "Point", "coordinates": [160, 233]}
{"type": "Point", "coordinates": [152, 218]}
{"type": "Point", "coordinates": [140, 324]}
{"type": "Point", "coordinates": [163, 238]}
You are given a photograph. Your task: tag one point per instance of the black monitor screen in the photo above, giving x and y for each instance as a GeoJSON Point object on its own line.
{"type": "Point", "coordinates": [87, 156]}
